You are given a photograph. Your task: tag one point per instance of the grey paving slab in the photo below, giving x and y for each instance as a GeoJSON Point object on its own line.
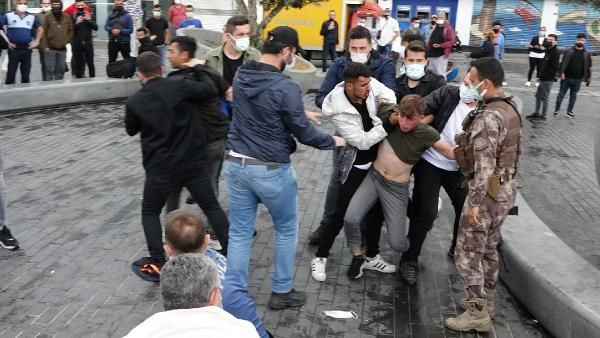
{"type": "Point", "coordinates": [74, 188]}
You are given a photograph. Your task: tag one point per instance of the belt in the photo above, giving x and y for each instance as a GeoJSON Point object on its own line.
{"type": "Point", "coordinates": [251, 161]}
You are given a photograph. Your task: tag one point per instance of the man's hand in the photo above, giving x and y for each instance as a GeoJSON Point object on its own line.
{"type": "Point", "coordinates": [79, 20]}
{"type": "Point", "coordinates": [87, 17]}
{"type": "Point", "coordinates": [229, 94]}
{"type": "Point", "coordinates": [394, 117]}
{"type": "Point", "coordinates": [115, 31]}
{"type": "Point", "coordinates": [46, 50]}
{"type": "Point", "coordinates": [340, 141]}
{"type": "Point", "coordinates": [473, 216]}
{"type": "Point", "coordinates": [313, 117]}
{"type": "Point", "coordinates": [436, 45]}
{"type": "Point", "coordinates": [562, 76]}
{"type": "Point", "coordinates": [11, 45]}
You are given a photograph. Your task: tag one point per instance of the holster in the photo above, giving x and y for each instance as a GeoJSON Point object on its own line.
{"type": "Point", "coordinates": [493, 188]}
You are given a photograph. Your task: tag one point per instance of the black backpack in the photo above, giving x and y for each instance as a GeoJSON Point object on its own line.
{"type": "Point", "coordinates": [122, 69]}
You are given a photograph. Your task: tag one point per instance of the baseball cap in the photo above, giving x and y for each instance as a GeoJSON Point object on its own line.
{"type": "Point", "coordinates": [285, 35]}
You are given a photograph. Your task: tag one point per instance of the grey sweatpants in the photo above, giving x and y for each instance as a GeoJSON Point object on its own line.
{"type": "Point", "coordinates": [55, 64]}
{"type": "Point", "coordinates": [394, 200]}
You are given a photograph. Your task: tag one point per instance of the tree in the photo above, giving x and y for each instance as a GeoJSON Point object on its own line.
{"type": "Point", "coordinates": [272, 7]}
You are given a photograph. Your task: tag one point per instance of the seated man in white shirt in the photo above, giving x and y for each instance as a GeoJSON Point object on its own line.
{"type": "Point", "coordinates": [192, 301]}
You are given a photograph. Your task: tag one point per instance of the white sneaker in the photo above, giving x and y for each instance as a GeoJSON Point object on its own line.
{"type": "Point", "coordinates": [528, 84]}
{"type": "Point", "coordinates": [504, 83]}
{"type": "Point", "coordinates": [378, 264]}
{"type": "Point", "coordinates": [537, 84]}
{"type": "Point", "coordinates": [317, 267]}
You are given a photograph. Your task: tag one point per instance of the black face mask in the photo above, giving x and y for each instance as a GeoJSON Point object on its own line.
{"type": "Point", "coordinates": [547, 44]}
{"type": "Point", "coordinates": [386, 16]}
{"type": "Point", "coordinates": [80, 10]}
{"type": "Point", "coordinates": [496, 30]}
{"type": "Point", "coordinates": [119, 8]}
{"type": "Point", "coordinates": [144, 39]}
{"type": "Point", "coordinates": [432, 22]}
{"type": "Point", "coordinates": [579, 44]}
{"type": "Point", "coordinates": [56, 10]}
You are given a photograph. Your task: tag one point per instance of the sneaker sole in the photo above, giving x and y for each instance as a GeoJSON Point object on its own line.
{"type": "Point", "coordinates": [9, 247]}
{"type": "Point", "coordinates": [378, 270]}
{"type": "Point", "coordinates": [283, 306]}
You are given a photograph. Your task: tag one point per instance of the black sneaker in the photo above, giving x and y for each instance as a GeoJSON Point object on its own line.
{"type": "Point", "coordinates": [315, 237]}
{"type": "Point", "coordinates": [451, 252]}
{"type": "Point", "coordinates": [356, 267]}
{"type": "Point", "coordinates": [570, 115]}
{"type": "Point", "coordinates": [408, 271]}
{"type": "Point", "coordinates": [7, 241]}
{"type": "Point", "coordinates": [280, 301]}
{"type": "Point", "coordinates": [533, 116]}
{"type": "Point", "coordinates": [148, 269]}
{"type": "Point", "coordinates": [542, 118]}
{"type": "Point", "coordinates": [556, 113]}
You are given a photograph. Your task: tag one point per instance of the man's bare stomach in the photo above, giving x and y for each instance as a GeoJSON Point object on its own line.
{"type": "Point", "coordinates": [390, 166]}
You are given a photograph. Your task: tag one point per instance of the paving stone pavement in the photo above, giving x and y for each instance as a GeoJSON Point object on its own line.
{"type": "Point", "coordinates": [74, 182]}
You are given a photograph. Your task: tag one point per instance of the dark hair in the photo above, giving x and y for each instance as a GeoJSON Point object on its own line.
{"type": "Point", "coordinates": [412, 105]}
{"type": "Point", "coordinates": [581, 36]}
{"type": "Point", "coordinates": [141, 29]}
{"type": "Point", "coordinates": [489, 68]}
{"type": "Point", "coordinates": [234, 21]}
{"type": "Point", "coordinates": [410, 37]}
{"type": "Point", "coordinates": [497, 23]}
{"type": "Point", "coordinates": [75, 1]}
{"type": "Point", "coordinates": [149, 64]}
{"type": "Point", "coordinates": [189, 6]}
{"type": "Point", "coordinates": [414, 18]}
{"type": "Point", "coordinates": [553, 36]}
{"type": "Point", "coordinates": [416, 46]}
{"type": "Point", "coordinates": [273, 47]}
{"type": "Point", "coordinates": [56, 2]}
{"type": "Point", "coordinates": [156, 6]}
{"type": "Point", "coordinates": [185, 44]}
{"type": "Point", "coordinates": [354, 70]}
{"type": "Point", "coordinates": [450, 63]}
{"type": "Point", "coordinates": [184, 231]}
{"type": "Point", "coordinates": [359, 32]}
{"type": "Point", "coordinates": [331, 10]}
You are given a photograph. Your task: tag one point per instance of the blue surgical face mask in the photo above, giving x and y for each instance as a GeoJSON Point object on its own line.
{"type": "Point", "coordinates": [476, 94]}
{"type": "Point", "coordinates": [466, 95]}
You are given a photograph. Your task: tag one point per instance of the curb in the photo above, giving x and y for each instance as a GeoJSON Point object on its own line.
{"type": "Point", "coordinates": [559, 287]}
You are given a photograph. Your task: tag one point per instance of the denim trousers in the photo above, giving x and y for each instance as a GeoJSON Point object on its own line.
{"type": "Point", "coordinates": [541, 97]}
{"type": "Point", "coordinates": [573, 86]}
{"type": "Point", "coordinates": [277, 189]}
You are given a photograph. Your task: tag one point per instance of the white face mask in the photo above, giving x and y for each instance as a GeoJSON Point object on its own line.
{"type": "Point", "coordinates": [156, 14]}
{"type": "Point", "coordinates": [466, 95]}
{"type": "Point", "coordinates": [415, 71]}
{"type": "Point", "coordinates": [416, 25]}
{"type": "Point", "coordinates": [340, 314]}
{"type": "Point", "coordinates": [542, 33]}
{"type": "Point", "coordinates": [359, 57]}
{"type": "Point", "coordinates": [177, 2]}
{"type": "Point", "coordinates": [21, 8]}
{"type": "Point", "coordinates": [241, 44]}
{"type": "Point", "coordinates": [189, 15]}
{"type": "Point", "coordinates": [290, 65]}
{"type": "Point", "coordinates": [439, 21]}
{"type": "Point", "coordinates": [46, 8]}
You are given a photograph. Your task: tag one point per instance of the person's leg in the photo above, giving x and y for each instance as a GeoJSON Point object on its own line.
{"type": "Point", "coordinates": [43, 64]}
{"type": "Point", "coordinates": [470, 248]}
{"type": "Point", "coordinates": [25, 65]}
{"type": "Point", "coordinates": [162, 50]}
{"type": "Point", "coordinates": [426, 192]}
{"type": "Point", "coordinates": [331, 196]}
{"type": "Point", "coordinates": [215, 151]}
{"type": "Point", "coordinates": [77, 62]}
{"type": "Point", "coordinates": [61, 63]}
{"type": "Point", "coordinates": [242, 217]}
{"type": "Point", "coordinates": [2, 193]}
{"type": "Point", "coordinates": [561, 94]}
{"type": "Point", "coordinates": [538, 66]}
{"type": "Point", "coordinates": [173, 200]}
{"type": "Point", "coordinates": [452, 183]}
{"type": "Point", "coordinates": [363, 199]}
{"type": "Point", "coordinates": [156, 190]}
{"type": "Point", "coordinates": [200, 186]}
{"type": "Point", "coordinates": [238, 302]}
{"type": "Point", "coordinates": [532, 64]}
{"type": "Point", "coordinates": [13, 64]}
{"type": "Point", "coordinates": [89, 59]}
{"type": "Point", "coordinates": [394, 200]}
{"type": "Point", "coordinates": [546, 87]}
{"type": "Point", "coordinates": [125, 50]}
{"type": "Point", "coordinates": [50, 65]}
{"type": "Point", "coordinates": [324, 57]}
{"type": "Point", "coordinates": [332, 52]}
{"type": "Point", "coordinates": [575, 85]}
{"type": "Point", "coordinates": [113, 51]}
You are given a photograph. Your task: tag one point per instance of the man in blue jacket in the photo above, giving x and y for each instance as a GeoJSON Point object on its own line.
{"type": "Point", "coordinates": [268, 113]}
{"type": "Point", "coordinates": [119, 26]}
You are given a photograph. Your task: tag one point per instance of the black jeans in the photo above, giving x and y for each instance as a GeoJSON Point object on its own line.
{"type": "Point", "coordinates": [43, 64]}
{"type": "Point", "coordinates": [157, 189]}
{"type": "Point", "coordinates": [83, 53]}
{"type": "Point", "coordinates": [328, 51]}
{"type": "Point", "coordinates": [426, 191]}
{"type": "Point", "coordinates": [18, 57]}
{"type": "Point", "coordinates": [116, 46]}
{"type": "Point", "coordinates": [534, 63]}
{"type": "Point", "coordinates": [335, 223]}
{"type": "Point", "coordinates": [568, 85]}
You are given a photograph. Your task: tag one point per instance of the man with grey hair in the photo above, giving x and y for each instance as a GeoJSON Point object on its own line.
{"type": "Point", "coordinates": [192, 300]}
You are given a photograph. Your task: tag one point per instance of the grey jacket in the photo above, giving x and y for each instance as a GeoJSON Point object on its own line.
{"type": "Point", "coordinates": [348, 122]}
{"type": "Point", "coordinates": [587, 63]}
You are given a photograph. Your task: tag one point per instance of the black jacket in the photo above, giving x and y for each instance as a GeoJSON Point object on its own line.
{"type": "Point", "coordinates": [329, 35]}
{"type": "Point", "coordinates": [146, 45]}
{"type": "Point", "coordinates": [441, 104]}
{"type": "Point", "coordinates": [587, 63]}
{"type": "Point", "coordinates": [536, 42]}
{"type": "Point", "coordinates": [485, 50]}
{"type": "Point", "coordinates": [429, 82]}
{"type": "Point", "coordinates": [83, 31]}
{"type": "Point", "coordinates": [216, 124]}
{"type": "Point", "coordinates": [550, 65]}
{"type": "Point", "coordinates": [165, 113]}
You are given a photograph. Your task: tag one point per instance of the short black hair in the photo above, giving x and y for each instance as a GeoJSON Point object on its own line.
{"type": "Point", "coordinates": [417, 46]}
{"type": "Point", "coordinates": [273, 47]}
{"type": "Point", "coordinates": [156, 6]}
{"type": "Point", "coordinates": [497, 23]}
{"type": "Point", "coordinates": [354, 70]}
{"type": "Point", "coordinates": [414, 18]}
{"type": "Point", "coordinates": [149, 64]}
{"type": "Point", "coordinates": [234, 21]}
{"type": "Point", "coordinates": [189, 6]}
{"type": "Point", "coordinates": [75, 1]}
{"type": "Point", "coordinates": [141, 29]}
{"type": "Point", "coordinates": [553, 36]}
{"type": "Point", "coordinates": [489, 68]}
{"type": "Point", "coordinates": [581, 36]}
{"type": "Point", "coordinates": [185, 44]}
{"type": "Point", "coordinates": [56, 2]}
{"type": "Point", "coordinates": [359, 32]}
{"type": "Point", "coordinates": [450, 63]}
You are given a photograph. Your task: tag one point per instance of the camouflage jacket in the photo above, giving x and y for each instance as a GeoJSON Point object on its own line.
{"type": "Point", "coordinates": [488, 134]}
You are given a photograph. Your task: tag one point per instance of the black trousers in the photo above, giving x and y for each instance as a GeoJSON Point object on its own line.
{"type": "Point", "coordinates": [116, 46]}
{"type": "Point", "coordinates": [157, 189]}
{"type": "Point", "coordinates": [83, 53]}
{"type": "Point", "coordinates": [328, 51]}
{"type": "Point", "coordinates": [428, 179]}
{"type": "Point", "coordinates": [18, 57]}
{"type": "Point", "coordinates": [534, 63]}
{"type": "Point", "coordinates": [335, 223]}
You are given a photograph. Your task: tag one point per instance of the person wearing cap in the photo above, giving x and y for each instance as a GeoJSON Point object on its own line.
{"type": "Point", "coordinates": [267, 115]}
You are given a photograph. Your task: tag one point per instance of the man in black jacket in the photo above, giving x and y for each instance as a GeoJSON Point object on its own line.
{"type": "Point", "coordinates": [576, 67]}
{"type": "Point", "coordinates": [83, 47]}
{"type": "Point", "coordinates": [417, 79]}
{"type": "Point", "coordinates": [146, 44]}
{"type": "Point", "coordinates": [165, 113]}
{"type": "Point", "coordinates": [449, 106]}
{"type": "Point", "coordinates": [547, 77]}
{"type": "Point", "coordinates": [329, 31]}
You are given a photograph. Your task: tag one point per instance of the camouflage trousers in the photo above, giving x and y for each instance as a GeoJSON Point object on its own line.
{"type": "Point", "coordinates": [476, 254]}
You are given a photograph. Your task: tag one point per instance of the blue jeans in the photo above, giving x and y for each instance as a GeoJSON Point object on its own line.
{"type": "Point", "coordinates": [568, 84]}
{"type": "Point", "coordinates": [277, 189]}
{"type": "Point", "coordinates": [162, 50]}
{"type": "Point", "coordinates": [2, 193]}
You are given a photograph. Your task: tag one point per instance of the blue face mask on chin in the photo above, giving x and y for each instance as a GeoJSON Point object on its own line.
{"type": "Point", "coordinates": [475, 93]}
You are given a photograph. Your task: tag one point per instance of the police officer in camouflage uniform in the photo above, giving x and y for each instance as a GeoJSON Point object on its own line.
{"type": "Point", "coordinates": [488, 152]}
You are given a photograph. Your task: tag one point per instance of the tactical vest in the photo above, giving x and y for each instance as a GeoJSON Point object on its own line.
{"type": "Point", "coordinates": [508, 153]}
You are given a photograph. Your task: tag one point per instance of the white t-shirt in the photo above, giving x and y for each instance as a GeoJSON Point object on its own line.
{"type": "Point", "coordinates": [209, 321]}
{"type": "Point", "coordinates": [389, 27]}
{"type": "Point", "coordinates": [453, 127]}
{"type": "Point", "coordinates": [538, 55]}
